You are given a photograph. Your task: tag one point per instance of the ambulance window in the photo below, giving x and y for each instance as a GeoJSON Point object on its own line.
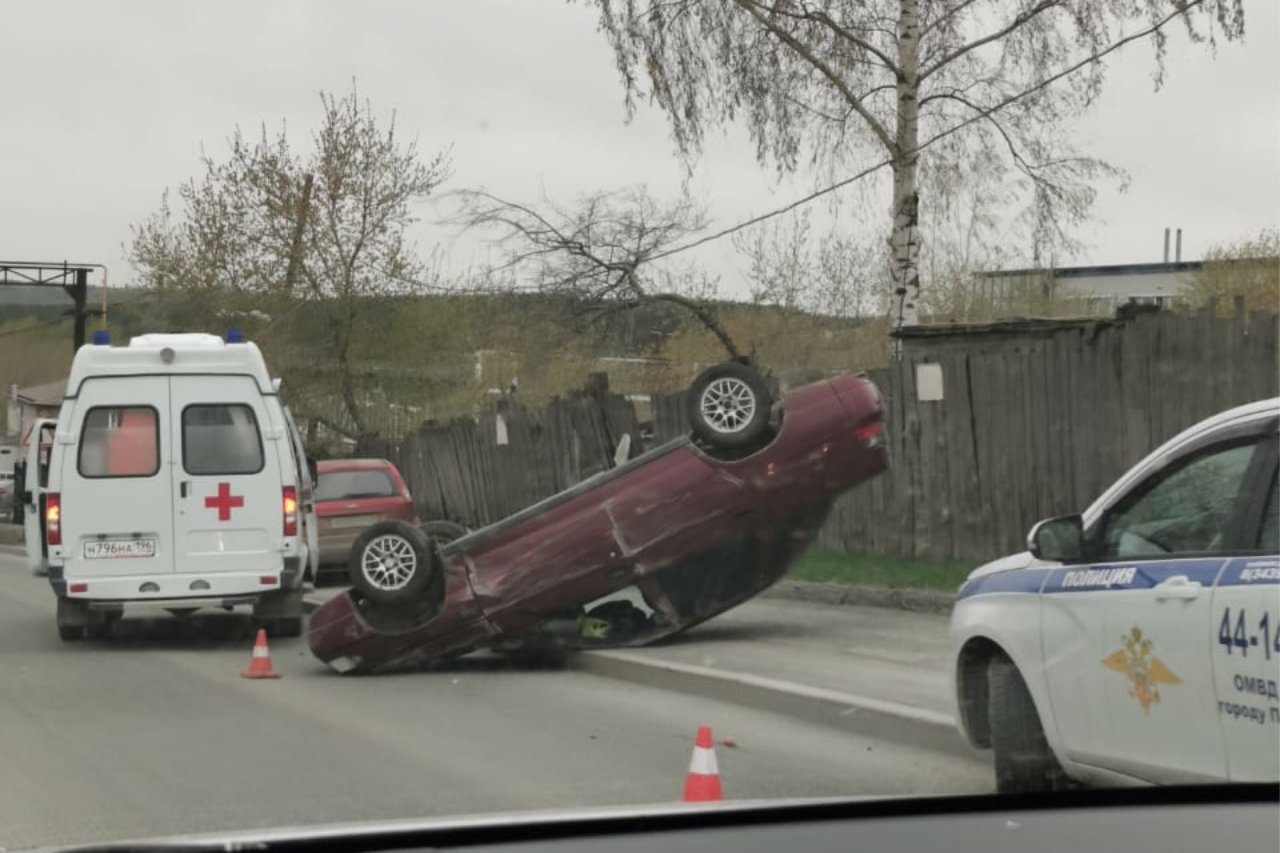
{"type": "Point", "coordinates": [119, 441]}
{"type": "Point", "coordinates": [220, 439]}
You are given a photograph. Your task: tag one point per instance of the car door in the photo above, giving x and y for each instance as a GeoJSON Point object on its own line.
{"type": "Point", "coordinates": [306, 494]}
{"type": "Point", "coordinates": [226, 476]}
{"type": "Point", "coordinates": [1126, 635]}
{"type": "Point", "coordinates": [116, 500]}
{"type": "Point", "coordinates": [1245, 638]}
{"type": "Point", "coordinates": [31, 490]}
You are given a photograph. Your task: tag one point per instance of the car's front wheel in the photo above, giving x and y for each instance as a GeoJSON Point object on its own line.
{"type": "Point", "coordinates": [392, 563]}
{"type": "Point", "coordinates": [1024, 760]}
{"type": "Point", "coordinates": [443, 532]}
{"type": "Point", "coordinates": [730, 406]}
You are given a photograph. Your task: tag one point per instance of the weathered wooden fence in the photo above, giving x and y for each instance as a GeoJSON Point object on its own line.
{"type": "Point", "coordinates": [990, 427]}
{"type": "Point", "coordinates": [1036, 419]}
{"type": "Point", "coordinates": [477, 471]}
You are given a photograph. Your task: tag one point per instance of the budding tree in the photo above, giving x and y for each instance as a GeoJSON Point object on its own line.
{"type": "Point", "coordinates": [328, 227]}
{"type": "Point", "coordinates": [919, 86]}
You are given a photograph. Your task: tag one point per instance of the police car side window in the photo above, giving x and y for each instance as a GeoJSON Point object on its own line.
{"type": "Point", "coordinates": [1185, 510]}
{"type": "Point", "coordinates": [1269, 536]}
{"type": "Point", "coordinates": [220, 439]}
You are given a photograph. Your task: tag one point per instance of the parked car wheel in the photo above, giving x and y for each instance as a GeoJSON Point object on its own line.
{"type": "Point", "coordinates": [392, 562]}
{"type": "Point", "coordinates": [1023, 759]}
{"type": "Point", "coordinates": [730, 406]}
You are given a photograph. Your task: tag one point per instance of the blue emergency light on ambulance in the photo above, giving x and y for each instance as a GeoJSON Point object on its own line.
{"type": "Point", "coordinates": [173, 483]}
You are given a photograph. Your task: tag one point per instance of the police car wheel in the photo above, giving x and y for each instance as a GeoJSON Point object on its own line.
{"type": "Point", "coordinates": [730, 406]}
{"type": "Point", "coordinates": [392, 563]}
{"type": "Point", "coordinates": [1023, 759]}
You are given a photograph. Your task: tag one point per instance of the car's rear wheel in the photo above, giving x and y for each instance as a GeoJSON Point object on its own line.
{"type": "Point", "coordinates": [392, 563]}
{"type": "Point", "coordinates": [287, 626]}
{"type": "Point", "coordinates": [72, 618]}
{"type": "Point", "coordinates": [730, 406]}
{"type": "Point", "coordinates": [100, 625]}
{"type": "Point", "coordinates": [1024, 760]}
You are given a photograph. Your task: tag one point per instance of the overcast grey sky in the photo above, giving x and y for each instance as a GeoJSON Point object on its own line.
{"type": "Point", "coordinates": [104, 104]}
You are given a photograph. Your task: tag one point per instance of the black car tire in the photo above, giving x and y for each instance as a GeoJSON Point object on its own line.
{"type": "Point", "coordinates": [70, 633]}
{"type": "Point", "coordinates": [730, 406]}
{"type": "Point", "coordinates": [443, 532]}
{"type": "Point", "coordinates": [1024, 760]}
{"type": "Point", "coordinates": [286, 626]}
{"type": "Point", "coordinates": [100, 625]}
{"type": "Point", "coordinates": [72, 617]}
{"type": "Point", "coordinates": [392, 562]}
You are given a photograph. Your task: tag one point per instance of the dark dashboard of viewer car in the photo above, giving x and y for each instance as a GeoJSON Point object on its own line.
{"type": "Point", "coordinates": [1194, 818]}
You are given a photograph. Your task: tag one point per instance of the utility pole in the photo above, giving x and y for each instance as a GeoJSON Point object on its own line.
{"type": "Point", "coordinates": [79, 292]}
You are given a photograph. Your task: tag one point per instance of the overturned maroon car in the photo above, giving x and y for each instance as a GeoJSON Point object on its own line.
{"type": "Point", "coordinates": [649, 548]}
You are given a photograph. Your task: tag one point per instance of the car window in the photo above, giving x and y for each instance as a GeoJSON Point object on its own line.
{"type": "Point", "coordinates": [351, 485]}
{"type": "Point", "coordinates": [119, 441]}
{"type": "Point", "coordinates": [221, 439]}
{"type": "Point", "coordinates": [1185, 510]}
{"type": "Point", "coordinates": [1269, 536]}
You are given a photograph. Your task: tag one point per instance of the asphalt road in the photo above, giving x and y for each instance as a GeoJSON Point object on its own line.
{"type": "Point", "coordinates": [154, 733]}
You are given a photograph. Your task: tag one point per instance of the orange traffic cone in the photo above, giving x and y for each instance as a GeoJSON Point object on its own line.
{"type": "Point", "coordinates": [260, 663]}
{"type": "Point", "coordinates": [702, 785]}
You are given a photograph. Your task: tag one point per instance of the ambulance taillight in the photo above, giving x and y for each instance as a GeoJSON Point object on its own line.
{"type": "Point", "coordinates": [53, 519]}
{"type": "Point", "coordinates": [290, 507]}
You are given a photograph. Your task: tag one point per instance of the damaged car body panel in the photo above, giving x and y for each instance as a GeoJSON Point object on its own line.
{"type": "Point", "coordinates": [647, 549]}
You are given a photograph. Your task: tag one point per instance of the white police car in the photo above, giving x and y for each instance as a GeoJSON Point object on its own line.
{"type": "Point", "coordinates": [1138, 642]}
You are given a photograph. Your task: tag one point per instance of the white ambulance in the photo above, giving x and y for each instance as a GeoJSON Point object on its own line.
{"type": "Point", "coordinates": [173, 479]}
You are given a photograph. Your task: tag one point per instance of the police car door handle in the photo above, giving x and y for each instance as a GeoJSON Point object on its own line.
{"type": "Point", "coordinates": [1178, 587]}
{"type": "Point", "coordinates": [182, 488]}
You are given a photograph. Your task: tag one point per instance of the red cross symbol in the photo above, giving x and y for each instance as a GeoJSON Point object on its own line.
{"type": "Point", "coordinates": [224, 502]}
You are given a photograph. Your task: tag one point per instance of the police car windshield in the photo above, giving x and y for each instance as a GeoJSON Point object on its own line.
{"type": "Point", "coordinates": [420, 410]}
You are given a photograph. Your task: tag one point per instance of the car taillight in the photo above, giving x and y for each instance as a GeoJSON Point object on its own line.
{"type": "Point", "coordinates": [871, 435]}
{"type": "Point", "coordinates": [290, 506]}
{"type": "Point", "coordinates": [53, 519]}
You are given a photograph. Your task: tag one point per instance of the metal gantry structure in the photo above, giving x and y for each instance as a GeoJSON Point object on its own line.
{"type": "Point", "coordinates": [72, 278]}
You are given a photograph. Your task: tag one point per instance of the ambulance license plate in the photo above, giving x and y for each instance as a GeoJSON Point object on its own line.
{"type": "Point", "coordinates": [111, 549]}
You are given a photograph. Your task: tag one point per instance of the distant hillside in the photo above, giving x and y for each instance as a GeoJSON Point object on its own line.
{"type": "Point", "coordinates": [17, 294]}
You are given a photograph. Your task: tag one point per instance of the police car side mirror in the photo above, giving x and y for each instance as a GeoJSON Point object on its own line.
{"type": "Point", "coordinates": [1057, 539]}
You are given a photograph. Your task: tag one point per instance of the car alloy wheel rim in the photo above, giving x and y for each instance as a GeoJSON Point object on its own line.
{"type": "Point", "coordinates": [728, 405]}
{"type": "Point", "coordinates": [388, 562]}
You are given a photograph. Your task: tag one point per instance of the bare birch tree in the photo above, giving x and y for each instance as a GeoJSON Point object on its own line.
{"type": "Point", "coordinates": [328, 228]}
{"type": "Point", "coordinates": [914, 85]}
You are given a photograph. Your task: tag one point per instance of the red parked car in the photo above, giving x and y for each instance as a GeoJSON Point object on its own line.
{"type": "Point", "coordinates": [353, 496]}
{"type": "Point", "coordinates": [647, 549]}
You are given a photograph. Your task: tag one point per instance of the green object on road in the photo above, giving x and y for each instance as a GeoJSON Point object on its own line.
{"type": "Point", "coordinates": [889, 572]}
{"type": "Point", "coordinates": [594, 629]}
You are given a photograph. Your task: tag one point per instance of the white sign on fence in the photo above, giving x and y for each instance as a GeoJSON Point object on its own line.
{"type": "Point", "coordinates": [928, 382]}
